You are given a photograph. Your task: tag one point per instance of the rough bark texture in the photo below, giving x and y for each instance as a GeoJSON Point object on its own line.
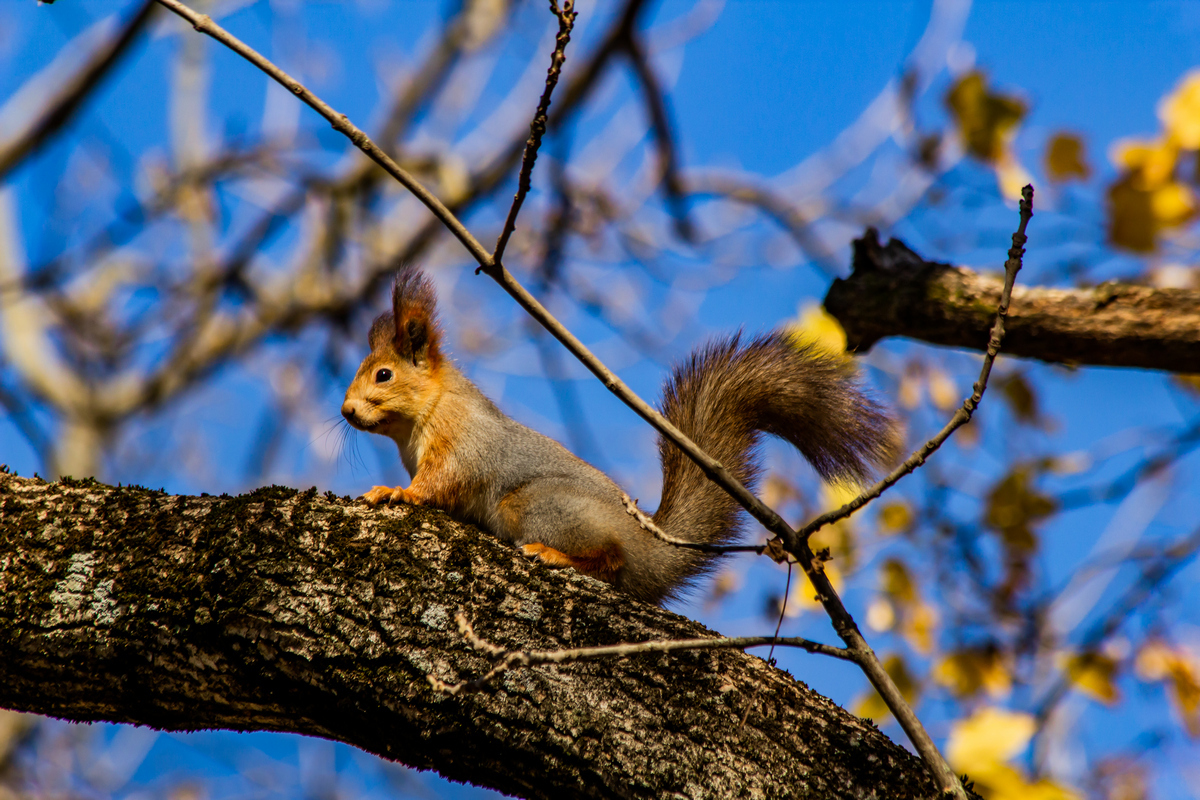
{"type": "Point", "coordinates": [292, 611]}
{"type": "Point", "coordinates": [892, 291]}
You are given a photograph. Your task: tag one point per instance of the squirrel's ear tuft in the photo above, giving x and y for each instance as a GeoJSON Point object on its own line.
{"type": "Point", "coordinates": [414, 315]}
{"type": "Point", "coordinates": [383, 331]}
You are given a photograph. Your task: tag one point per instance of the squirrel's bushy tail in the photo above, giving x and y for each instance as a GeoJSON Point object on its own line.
{"type": "Point", "coordinates": [728, 392]}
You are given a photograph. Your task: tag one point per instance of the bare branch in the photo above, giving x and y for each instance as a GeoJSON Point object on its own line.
{"type": "Point", "coordinates": [664, 136]}
{"type": "Point", "coordinates": [895, 292]}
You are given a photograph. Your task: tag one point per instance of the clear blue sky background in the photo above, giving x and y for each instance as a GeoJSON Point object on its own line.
{"type": "Point", "coordinates": [770, 83]}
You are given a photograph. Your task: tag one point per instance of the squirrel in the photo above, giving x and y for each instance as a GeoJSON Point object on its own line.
{"type": "Point", "coordinates": [467, 457]}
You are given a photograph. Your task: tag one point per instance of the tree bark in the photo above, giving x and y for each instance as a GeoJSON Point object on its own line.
{"type": "Point", "coordinates": [293, 611]}
{"type": "Point", "coordinates": [892, 291]}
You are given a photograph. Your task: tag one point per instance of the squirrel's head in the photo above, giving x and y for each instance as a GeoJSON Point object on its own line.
{"type": "Point", "coordinates": [400, 379]}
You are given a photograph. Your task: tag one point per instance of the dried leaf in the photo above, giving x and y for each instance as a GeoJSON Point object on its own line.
{"type": "Point", "coordinates": [1094, 674]}
{"type": "Point", "coordinates": [895, 517]}
{"type": "Point", "coordinates": [1065, 158]}
{"type": "Point", "coordinates": [987, 120]}
{"type": "Point", "coordinates": [1019, 395]}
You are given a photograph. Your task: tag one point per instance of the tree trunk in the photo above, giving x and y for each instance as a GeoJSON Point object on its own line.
{"type": "Point", "coordinates": [294, 611]}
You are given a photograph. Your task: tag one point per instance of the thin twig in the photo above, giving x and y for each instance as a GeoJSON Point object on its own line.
{"type": "Point", "coordinates": [537, 128]}
{"type": "Point", "coordinates": [511, 659]}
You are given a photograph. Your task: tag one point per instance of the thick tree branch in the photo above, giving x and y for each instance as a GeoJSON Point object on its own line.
{"type": "Point", "coordinates": [894, 292]}
{"type": "Point", "coordinates": [293, 611]}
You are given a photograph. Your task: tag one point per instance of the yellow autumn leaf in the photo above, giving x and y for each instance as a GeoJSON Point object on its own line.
{"type": "Point", "coordinates": [959, 673]}
{"type": "Point", "coordinates": [1153, 661]}
{"type": "Point", "coordinates": [967, 672]}
{"type": "Point", "coordinates": [1137, 215]}
{"type": "Point", "coordinates": [1093, 674]}
{"type": "Point", "coordinates": [895, 517]}
{"type": "Point", "coordinates": [1190, 383]}
{"type": "Point", "coordinates": [881, 615]}
{"type": "Point", "coordinates": [454, 178]}
{"type": "Point", "coordinates": [839, 538]}
{"type": "Point", "coordinates": [1011, 176]}
{"type": "Point", "coordinates": [817, 327]}
{"type": "Point", "coordinates": [980, 745]}
{"type": "Point", "coordinates": [989, 735]}
{"type": "Point", "coordinates": [942, 390]}
{"type": "Point", "coordinates": [987, 120]}
{"type": "Point", "coordinates": [871, 705]}
{"type": "Point", "coordinates": [998, 781]}
{"type": "Point", "coordinates": [1185, 685]}
{"type": "Point", "coordinates": [1180, 112]}
{"type": "Point", "coordinates": [1151, 162]}
{"type": "Point", "coordinates": [1159, 661]}
{"type": "Point", "coordinates": [1172, 204]}
{"type": "Point", "coordinates": [920, 625]}
{"type": "Point", "coordinates": [912, 386]}
{"type": "Point", "coordinates": [896, 582]}
{"type": "Point", "coordinates": [1065, 158]}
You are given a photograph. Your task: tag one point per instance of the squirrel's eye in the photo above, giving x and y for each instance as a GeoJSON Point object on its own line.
{"type": "Point", "coordinates": [383, 376]}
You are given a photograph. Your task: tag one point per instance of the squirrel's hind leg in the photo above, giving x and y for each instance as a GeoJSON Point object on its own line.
{"type": "Point", "coordinates": [550, 520]}
{"type": "Point", "coordinates": [603, 563]}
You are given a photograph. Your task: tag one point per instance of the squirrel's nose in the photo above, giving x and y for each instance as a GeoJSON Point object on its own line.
{"type": "Point", "coordinates": [349, 410]}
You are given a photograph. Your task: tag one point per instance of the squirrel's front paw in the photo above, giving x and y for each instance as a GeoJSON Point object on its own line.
{"type": "Point", "coordinates": [386, 494]}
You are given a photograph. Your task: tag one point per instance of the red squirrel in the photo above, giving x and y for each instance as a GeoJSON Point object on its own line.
{"type": "Point", "coordinates": [467, 457]}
